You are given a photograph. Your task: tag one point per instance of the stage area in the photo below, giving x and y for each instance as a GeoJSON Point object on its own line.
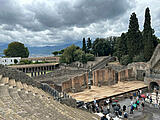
{"type": "Point", "coordinates": [96, 92]}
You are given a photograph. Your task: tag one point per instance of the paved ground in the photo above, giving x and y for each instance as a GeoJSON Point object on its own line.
{"type": "Point", "coordinates": [106, 91]}
{"type": "Point", "coordinates": [149, 113]}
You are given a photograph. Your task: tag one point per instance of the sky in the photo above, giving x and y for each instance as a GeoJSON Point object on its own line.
{"type": "Point", "coordinates": [58, 22]}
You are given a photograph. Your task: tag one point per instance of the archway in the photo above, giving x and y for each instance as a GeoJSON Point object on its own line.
{"type": "Point", "coordinates": [154, 85]}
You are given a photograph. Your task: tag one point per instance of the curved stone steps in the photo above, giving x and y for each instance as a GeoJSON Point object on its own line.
{"type": "Point", "coordinates": [60, 110]}
{"type": "Point", "coordinates": [50, 109]}
{"type": "Point", "coordinates": [7, 100]}
{"type": "Point", "coordinates": [41, 110]}
{"type": "Point", "coordinates": [8, 113]}
{"type": "Point", "coordinates": [4, 81]}
{"type": "Point", "coordinates": [15, 96]}
{"type": "Point", "coordinates": [74, 112]}
{"type": "Point", "coordinates": [12, 83]}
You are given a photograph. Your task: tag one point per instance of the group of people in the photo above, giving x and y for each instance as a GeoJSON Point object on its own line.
{"type": "Point", "coordinates": [111, 109]}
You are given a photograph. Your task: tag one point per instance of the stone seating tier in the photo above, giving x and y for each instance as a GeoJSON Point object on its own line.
{"type": "Point", "coordinates": [20, 101]}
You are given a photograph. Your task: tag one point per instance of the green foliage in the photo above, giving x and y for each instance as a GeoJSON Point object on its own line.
{"type": "Point", "coordinates": [150, 41]}
{"type": "Point", "coordinates": [16, 49]}
{"type": "Point", "coordinates": [55, 53]}
{"type": "Point", "coordinates": [90, 57]}
{"type": "Point", "coordinates": [74, 53]}
{"type": "Point", "coordinates": [84, 45]}
{"type": "Point", "coordinates": [25, 62]}
{"type": "Point", "coordinates": [78, 55]}
{"type": "Point", "coordinates": [101, 47]}
{"type": "Point", "coordinates": [122, 46]}
{"type": "Point", "coordinates": [125, 60]}
{"type": "Point", "coordinates": [89, 45]}
{"type": "Point", "coordinates": [69, 54]}
{"type": "Point", "coordinates": [134, 37]}
{"type": "Point", "coordinates": [139, 58]}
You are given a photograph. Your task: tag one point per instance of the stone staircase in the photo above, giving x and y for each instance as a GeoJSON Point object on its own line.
{"type": "Point", "coordinates": [19, 101]}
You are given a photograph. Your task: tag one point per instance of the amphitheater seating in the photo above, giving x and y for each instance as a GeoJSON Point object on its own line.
{"type": "Point", "coordinates": [24, 102]}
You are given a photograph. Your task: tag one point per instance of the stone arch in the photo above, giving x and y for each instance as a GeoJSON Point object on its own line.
{"type": "Point", "coordinates": [153, 85]}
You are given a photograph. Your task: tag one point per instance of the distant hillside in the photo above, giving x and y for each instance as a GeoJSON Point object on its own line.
{"type": "Point", "coordinates": [42, 51]}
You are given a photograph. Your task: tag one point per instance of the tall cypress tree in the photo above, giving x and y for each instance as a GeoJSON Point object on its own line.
{"type": "Point", "coordinates": [89, 45]}
{"type": "Point", "coordinates": [84, 45]}
{"type": "Point", "coordinates": [149, 39]}
{"type": "Point", "coordinates": [134, 37]}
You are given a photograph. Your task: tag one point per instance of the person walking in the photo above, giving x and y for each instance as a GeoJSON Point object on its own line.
{"type": "Point", "coordinates": [142, 105]}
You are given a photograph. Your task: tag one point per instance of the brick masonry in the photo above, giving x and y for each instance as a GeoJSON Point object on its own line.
{"type": "Point", "coordinates": [76, 84]}
{"type": "Point", "coordinates": [106, 76]}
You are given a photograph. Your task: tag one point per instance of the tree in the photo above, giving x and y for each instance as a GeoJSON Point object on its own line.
{"type": "Point", "coordinates": [149, 39]}
{"type": "Point", "coordinates": [125, 60]}
{"type": "Point", "coordinates": [16, 49]}
{"type": "Point", "coordinates": [55, 53]}
{"type": "Point", "coordinates": [90, 57]}
{"type": "Point", "coordinates": [134, 37]}
{"type": "Point", "coordinates": [122, 46]}
{"type": "Point", "coordinates": [101, 47]}
{"type": "Point", "coordinates": [89, 45]}
{"type": "Point", "coordinates": [84, 45]}
{"type": "Point", "coordinates": [68, 55]}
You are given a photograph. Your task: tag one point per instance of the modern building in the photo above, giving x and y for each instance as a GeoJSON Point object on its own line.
{"type": "Point", "coordinates": [9, 61]}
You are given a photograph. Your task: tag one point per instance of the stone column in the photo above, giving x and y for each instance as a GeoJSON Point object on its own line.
{"type": "Point", "coordinates": [34, 73]}
{"type": "Point", "coordinates": [31, 74]}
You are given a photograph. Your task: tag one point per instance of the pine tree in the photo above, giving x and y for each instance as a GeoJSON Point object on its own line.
{"type": "Point", "coordinates": [89, 45]}
{"type": "Point", "coordinates": [84, 45]}
{"type": "Point", "coordinates": [134, 37]}
{"type": "Point", "coordinates": [149, 39]}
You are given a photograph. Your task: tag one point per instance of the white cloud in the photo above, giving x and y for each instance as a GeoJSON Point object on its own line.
{"type": "Point", "coordinates": [53, 22]}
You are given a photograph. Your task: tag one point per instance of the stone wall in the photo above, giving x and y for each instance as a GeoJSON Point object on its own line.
{"type": "Point", "coordinates": [126, 75]}
{"type": "Point", "coordinates": [75, 84]}
{"type": "Point", "coordinates": [106, 76]}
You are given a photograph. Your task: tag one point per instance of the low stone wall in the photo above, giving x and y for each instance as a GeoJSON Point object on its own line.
{"type": "Point", "coordinates": [106, 76]}
{"type": "Point", "coordinates": [76, 83]}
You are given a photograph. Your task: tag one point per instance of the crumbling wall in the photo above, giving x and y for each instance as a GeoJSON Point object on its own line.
{"type": "Point", "coordinates": [126, 75]}
{"type": "Point", "coordinates": [76, 84]}
{"type": "Point", "coordinates": [106, 76]}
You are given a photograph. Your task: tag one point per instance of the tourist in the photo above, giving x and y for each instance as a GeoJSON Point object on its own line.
{"type": "Point", "coordinates": [147, 95]}
{"type": "Point", "coordinates": [150, 99]}
{"type": "Point", "coordinates": [104, 118]}
{"type": "Point", "coordinates": [108, 107]}
{"type": "Point", "coordinates": [156, 93]}
{"type": "Point", "coordinates": [142, 105]}
{"type": "Point", "coordinates": [124, 108]}
{"type": "Point", "coordinates": [95, 101]}
{"type": "Point", "coordinates": [120, 113]}
{"type": "Point", "coordinates": [156, 102]}
{"type": "Point", "coordinates": [132, 108]}
{"type": "Point", "coordinates": [125, 115]}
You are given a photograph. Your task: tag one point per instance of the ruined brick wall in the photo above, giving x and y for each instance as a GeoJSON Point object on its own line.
{"type": "Point", "coordinates": [104, 77]}
{"type": "Point", "coordinates": [126, 75]}
{"type": "Point", "coordinates": [75, 83]}
{"type": "Point", "coordinates": [67, 85]}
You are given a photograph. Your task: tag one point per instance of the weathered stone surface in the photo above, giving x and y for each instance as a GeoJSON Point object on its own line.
{"type": "Point", "coordinates": [69, 101]}
{"type": "Point", "coordinates": [17, 75]}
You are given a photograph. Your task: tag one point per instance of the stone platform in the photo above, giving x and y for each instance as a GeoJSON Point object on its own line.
{"type": "Point", "coordinates": [88, 95]}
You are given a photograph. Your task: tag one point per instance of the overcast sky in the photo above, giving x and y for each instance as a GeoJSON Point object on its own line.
{"type": "Point", "coordinates": [56, 22]}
